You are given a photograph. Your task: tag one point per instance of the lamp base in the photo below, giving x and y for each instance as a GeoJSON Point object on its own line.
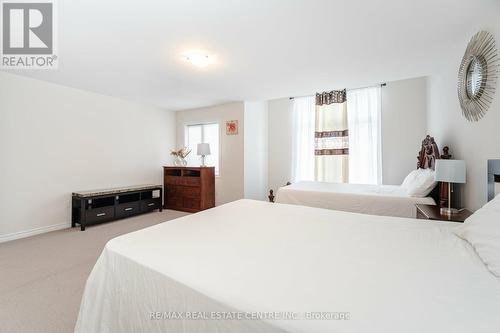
{"type": "Point", "coordinates": [448, 211]}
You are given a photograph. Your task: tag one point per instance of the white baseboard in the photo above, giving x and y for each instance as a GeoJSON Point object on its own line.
{"type": "Point", "coordinates": [32, 232]}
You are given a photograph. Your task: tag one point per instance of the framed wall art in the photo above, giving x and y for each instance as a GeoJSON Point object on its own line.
{"type": "Point", "coordinates": [232, 127]}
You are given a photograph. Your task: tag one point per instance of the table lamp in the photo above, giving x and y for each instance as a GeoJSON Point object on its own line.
{"type": "Point", "coordinates": [203, 150]}
{"type": "Point", "coordinates": [450, 171]}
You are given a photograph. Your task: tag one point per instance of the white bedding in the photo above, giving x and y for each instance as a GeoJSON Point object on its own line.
{"type": "Point", "coordinates": [390, 274]}
{"type": "Point", "coordinates": [386, 200]}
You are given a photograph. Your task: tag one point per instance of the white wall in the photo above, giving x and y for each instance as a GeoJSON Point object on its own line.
{"type": "Point", "coordinates": [475, 142]}
{"type": "Point", "coordinates": [229, 186]}
{"type": "Point", "coordinates": [280, 142]}
{"type": "Point", "coordinates": [404, 126]}
{"type": "Point", "coordinates": [256, 150]}
{"type": "Point", "coordinates": [55, 140]}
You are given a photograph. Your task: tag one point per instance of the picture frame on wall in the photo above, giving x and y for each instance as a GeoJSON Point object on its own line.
{"type": "Point", "coordinates": [232, 127]}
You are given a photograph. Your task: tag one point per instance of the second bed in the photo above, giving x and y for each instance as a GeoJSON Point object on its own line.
{"type": "Point", "coordinates": [386, 200]}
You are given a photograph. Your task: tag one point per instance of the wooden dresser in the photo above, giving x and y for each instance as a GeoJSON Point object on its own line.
{"type": "Point", "coordinates": [189, 189]}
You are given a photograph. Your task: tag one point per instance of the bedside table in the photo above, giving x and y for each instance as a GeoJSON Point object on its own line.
{"type": "Point", "coordinates": [431, 212]}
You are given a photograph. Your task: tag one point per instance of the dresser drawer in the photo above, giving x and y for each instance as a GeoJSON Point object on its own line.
{"type": "Point", "coordinates": [99, 214]}
{"type": "Point", "coordinates": [191, 181]}
{"type": "Point", "coordinates": [191, 203]}
{"type": "Point", "coordinates": [171, 189]}
{"type": "Point", "coordinates": [174, 180]}
{"type": "Point", "coordinates": [173, 201]}
{"type": "Point", "coordinates": [150, 204]}
{"type": "Point", "coordinates": [127, 209]}
{"type": "Point", "coordinates": [189, 192]}
{"type": "Point", "coordinates": [185, 181]}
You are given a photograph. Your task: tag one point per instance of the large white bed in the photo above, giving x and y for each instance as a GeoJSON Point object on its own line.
{"type": "Point", "coordinates": [388, 200]}
{"type": "Point", "coordinates": [380, 274]}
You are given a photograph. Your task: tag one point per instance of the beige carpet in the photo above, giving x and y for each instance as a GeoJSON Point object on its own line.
{"type": "Point", "coordinates": [42, 277]}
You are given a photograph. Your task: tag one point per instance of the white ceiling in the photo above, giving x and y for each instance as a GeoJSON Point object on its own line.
{"type": "Point", "coordinates": [265, 48]}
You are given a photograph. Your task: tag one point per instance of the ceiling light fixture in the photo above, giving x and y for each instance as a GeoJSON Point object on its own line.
{"type": "Point", "coordinates": [199, 59]}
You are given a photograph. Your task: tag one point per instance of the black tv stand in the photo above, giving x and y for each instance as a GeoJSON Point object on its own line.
{"type": "Point", "coordinates": [91, 207]}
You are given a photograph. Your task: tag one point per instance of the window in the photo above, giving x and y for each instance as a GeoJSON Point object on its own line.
{"type": "Point", "coordinates": [364, 126]}
{"type": "Point", "coordinates": [303, 139]}
{"type": "Point", "coordinates": [363, 110]}
{"type": "Point", "coordinates": [203, 133]}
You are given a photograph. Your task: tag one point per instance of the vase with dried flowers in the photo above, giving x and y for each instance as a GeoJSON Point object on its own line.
{"type": "Point", "coordinates": [180, 156]}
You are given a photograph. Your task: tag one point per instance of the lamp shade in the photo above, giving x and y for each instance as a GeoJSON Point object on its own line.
{"type": "Point", "coordinates": [450, 171]}
{"type": "Point", "coordinates": [203, 149]}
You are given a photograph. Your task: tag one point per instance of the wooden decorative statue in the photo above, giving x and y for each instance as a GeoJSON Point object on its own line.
{"type": "Point", "coordinates": [428, 154]}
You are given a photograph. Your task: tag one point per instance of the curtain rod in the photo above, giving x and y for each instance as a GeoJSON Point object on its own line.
{"type": "Point", "coordinates": [381, 84]}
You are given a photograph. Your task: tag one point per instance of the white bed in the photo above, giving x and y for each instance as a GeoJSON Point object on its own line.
{"type": "Point", "coordinates": [388, 200]}
{"type": "Point", "coordinates": [390, 274]}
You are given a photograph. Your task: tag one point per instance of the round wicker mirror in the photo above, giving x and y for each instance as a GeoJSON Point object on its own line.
{"type": "Point", "coordinates": [477, 76]}
{"type": "Point", "coordinates": [475, 83]}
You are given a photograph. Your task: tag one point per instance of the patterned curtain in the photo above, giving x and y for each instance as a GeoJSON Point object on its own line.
{"type": "Point", "coordinates": [331, 137]}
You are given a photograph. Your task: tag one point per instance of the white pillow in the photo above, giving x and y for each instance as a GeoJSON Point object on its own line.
{"type": "Point", "coordinates": [410, 179]}
{"type": "Point", "coordinates": [493, 204]}
{"type": "Point", "coordinates": [423, 183]}
{"type": "Point", "coordinates": [482, 231]}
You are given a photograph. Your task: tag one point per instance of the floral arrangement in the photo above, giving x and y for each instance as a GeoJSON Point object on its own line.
{"type": "Point", "coordinates": [182, 153]}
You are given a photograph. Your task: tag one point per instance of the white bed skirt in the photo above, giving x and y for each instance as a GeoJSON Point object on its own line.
{"type": "Point", "coordinates": [384, 200]}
